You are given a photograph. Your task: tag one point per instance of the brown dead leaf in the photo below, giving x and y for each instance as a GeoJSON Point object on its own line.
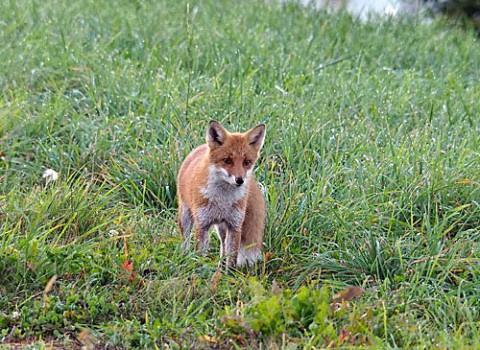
{"type": "Point", "coordinates": [467, 182]}
{"type": "Point", "coordinates": [239, 338]}
{"type": "Point", "coordinates": [127, 265]}
{"type": "Point", "coordinates": [216, 277]}
{"type": "Point", "coordinates": [87, 340]}
{"type": "Point", "coordinates": [268, 256]}
{"type": "Point", "coordinates": [207, 339]}
{"type": "Point", "coordinates": [347, 294]}
{"type": "Point", "coordinates": [50, 284]}
{"type": "Point", "coordinates": [344, 335]}
{"type": "Point", "coordinates": [78, 69]}
{"type": "Point", "coordinates": [341, 299]}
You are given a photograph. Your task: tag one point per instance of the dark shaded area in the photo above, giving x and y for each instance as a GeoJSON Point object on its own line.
{"type": "Point", "coordinates": [459, 9]}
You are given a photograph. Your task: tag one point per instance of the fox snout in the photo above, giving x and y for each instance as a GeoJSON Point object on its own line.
{"type": "Point", "coordinates": [217, 173]}
{"type": "Point", "coordinates": [236, 179]}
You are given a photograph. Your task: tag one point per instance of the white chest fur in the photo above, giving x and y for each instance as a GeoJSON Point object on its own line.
{"type": "Point", "coordinates": [222, 196]}
{"type": "Point", "coordinates": [221, 187]}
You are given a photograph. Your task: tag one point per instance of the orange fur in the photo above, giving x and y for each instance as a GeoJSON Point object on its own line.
{"type": "Point", "coordinates": [216, 187]}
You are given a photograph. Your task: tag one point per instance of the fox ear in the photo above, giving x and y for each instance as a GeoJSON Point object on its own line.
{"type": "Point", "coordinates": [216, 134]}
{"type": "Point", "coordinates": [256, 136]}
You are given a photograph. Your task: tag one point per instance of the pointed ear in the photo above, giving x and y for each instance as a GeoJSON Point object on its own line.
{"type": "Point", "coordinates": [216, 134]}
{"type": "Point", "coordinates": [256, 136]}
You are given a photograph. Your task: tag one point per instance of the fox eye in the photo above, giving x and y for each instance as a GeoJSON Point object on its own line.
{"type": "Point", "coordinates": [247, 162]}
{"type": "Point", "coordinates": [228, 161]}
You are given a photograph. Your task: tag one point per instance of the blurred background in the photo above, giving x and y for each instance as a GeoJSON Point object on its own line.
{"type": "Point", "coordinates": [458, 9]}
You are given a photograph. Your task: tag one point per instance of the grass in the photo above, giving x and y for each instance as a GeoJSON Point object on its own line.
{"type": "Point", "coordinates": [371, 170]}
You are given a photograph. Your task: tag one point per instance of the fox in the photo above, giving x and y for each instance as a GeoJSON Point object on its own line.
{"type": "Point", "coordinates": [216, 187]}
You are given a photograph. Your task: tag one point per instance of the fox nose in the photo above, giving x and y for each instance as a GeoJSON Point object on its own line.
{"type": "Point", "coordinates": [239, 181]}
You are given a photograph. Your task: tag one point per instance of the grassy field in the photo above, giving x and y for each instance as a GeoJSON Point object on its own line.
{"type": "Point", "coordinates": [371, 168]}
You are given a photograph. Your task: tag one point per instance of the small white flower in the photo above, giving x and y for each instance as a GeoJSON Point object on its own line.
{"type": "Point", "coordinates": [113, 232]}
{"type": "Point", "coordinates": [50, 175]}
{"type": "Point", "coordinates": [15, 315]}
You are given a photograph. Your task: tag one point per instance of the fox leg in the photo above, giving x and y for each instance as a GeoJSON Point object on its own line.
{"type": "Point", "coordinates": [232, 243]}
{"type": "Point", "coordinates": [185, 223]}
{"type": "Point", "coordinates": [249, 255]}
{"type": "Point", "coordinates": [250, 250]}
{"type": "Point", "coordinates": [222, 235]}
{"type": "Point", "coordinates": [202, 235]}
{"type": "Point", "coordinates": [203, 240]}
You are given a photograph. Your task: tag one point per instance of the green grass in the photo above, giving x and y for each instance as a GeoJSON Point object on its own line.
{"type": "Point", "coordinates": [371, 167]}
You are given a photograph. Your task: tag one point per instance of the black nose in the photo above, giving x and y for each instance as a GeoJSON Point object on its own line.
{"type": "Point", "coordinates": [239, 181]}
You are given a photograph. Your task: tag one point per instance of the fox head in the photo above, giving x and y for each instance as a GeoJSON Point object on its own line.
{"type": "Point", "coordinates": [232, 155]}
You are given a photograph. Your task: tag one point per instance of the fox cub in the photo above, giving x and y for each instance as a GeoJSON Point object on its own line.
{"type": "Point", "coordinates": [216, 187]}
